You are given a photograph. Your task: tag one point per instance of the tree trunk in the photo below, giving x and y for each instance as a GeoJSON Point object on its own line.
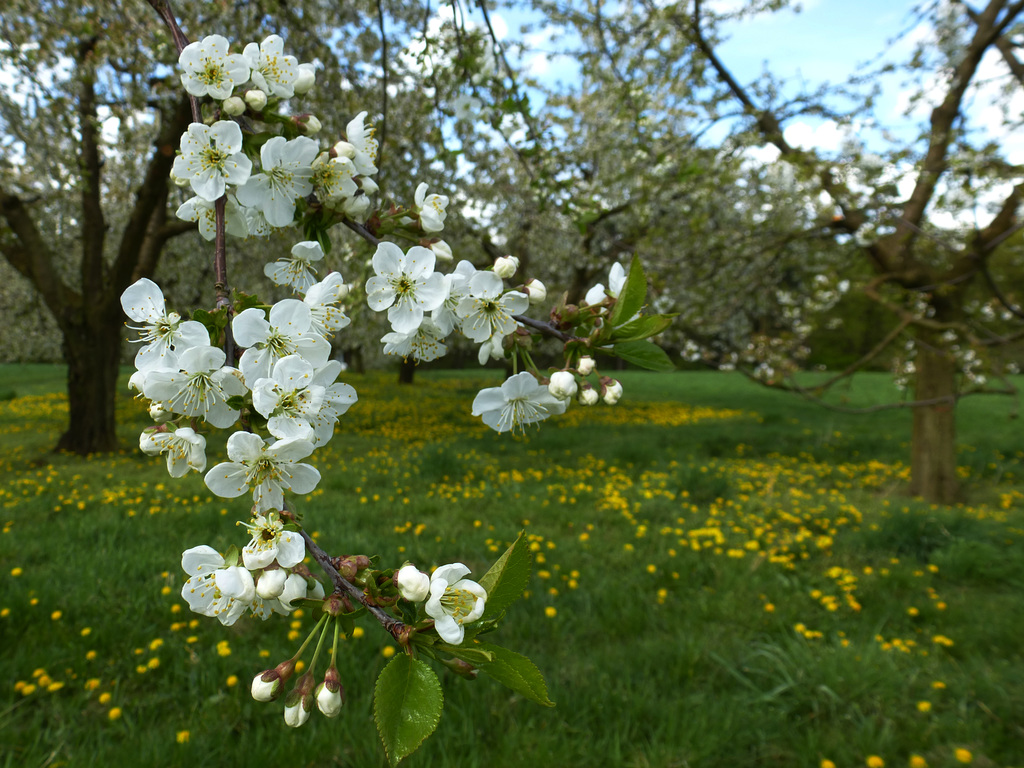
{"type": "Point", "coordinates": [407, 371]}
{"type": "Point", "coordinates": [92, 349]}
{"type": "Point", "coordinates": [933, 443]}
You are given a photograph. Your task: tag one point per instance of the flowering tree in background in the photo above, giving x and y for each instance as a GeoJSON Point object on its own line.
{"type": "Point", "coordinates": [264, 371]}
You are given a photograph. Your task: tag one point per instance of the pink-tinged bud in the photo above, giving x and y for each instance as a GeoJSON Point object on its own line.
{"type": "Point", "coordinates": [536, 290]}
{"type": "Point", "coordinates": [266, 686]}
{"type": "Point", "coordinates": [305, 80]}
{"type": "Point", "coordinates": [330, 695]}
{"type": "Point", "coordinates": [256, 99]}
{"type": "Point", "coordinates": [412, 583]}
{"type": "Point", "coordinates": [587, 395]}
{"type": "Point", "coordinates": [506, 266]}
{"type": "Point", "coordinates": [233, 106]}
{"type": "Point", "coordinates": [563, 385]}
{"type": "Point", "coordinates": [311, 126]}
{"type": "Point", "coordinates": [612, 391]}
{"type": "Point", "coordinates": [585, 366]}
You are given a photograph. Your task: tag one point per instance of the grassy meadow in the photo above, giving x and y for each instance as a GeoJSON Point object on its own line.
{"type": "Point", "coordinates": [723, 576]}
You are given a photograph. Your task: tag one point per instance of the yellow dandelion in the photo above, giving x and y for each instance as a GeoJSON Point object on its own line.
{"type": "Point", "coordinates": [924, 706]}
{"type": "Point", "coordinates": [299, 666]}
{"type": "Point", "coordinates": [916, 761]}
{"type": "Point", "coordinates": [86, 631]}
{"type": "Point", "coordinates": [387, 651]}
{"type": "Point", "coordinates": [827, 764]}
{"type": "Point", "coordinates": [874, 761]}
{"type": "Point", "coordinates": [104, 698]}
{"type": "Point", "coordinates": [551, 611]}
{"type": "Point", "coordinates": [357, 632]}
{"type": "Point", "coordinates": [938, 685]}
{"type": "Point", "coordinates": [182, 737]}
{"type": "Point", "coordinates": [90, 655]}
{"type": "Point", "coordinates": [56, 615]}
{"type": "Point", "coordinates": [114, 713]}
{"type": "Point", "coordinates": [16, 572]}
{"type": "Point", "coordinates": [963, 755]}
{"type": "Point", "coordinates": [92, 684]}
{"type": "Point", "coordinates": [232, 681]}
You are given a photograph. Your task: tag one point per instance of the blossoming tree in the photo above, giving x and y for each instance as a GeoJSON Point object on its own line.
{"type": "Point", "coordinates": [263, 371]}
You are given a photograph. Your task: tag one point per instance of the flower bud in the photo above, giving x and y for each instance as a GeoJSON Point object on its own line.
{"type": "Point", "coordinates": [587, 395]}
{"type": "Point", "coordinates": [256, 99]}
{"type": "Point", "coordinates": [264, 689]}
{"type": "Point", "coordinates": [612, 392]}
{"type": "Point", "coordinates": [585, 366]}
{"type": "Point", "coordinates": [311, 125]}
{"type": "Point", "coordinates": [368, 185]}
{"type": "Point", "coordinates": [158, 413]}
{"type": "Point", "coordinates": [297, 712]}
{"type": "Point", "coordinates": [536, 290]}
{"type": "Point", "coordinates": [563, 385]}
{"type": "Point", "coordinates": [233, 106]}
{"type": "Point", "coordinates": [356, 207]}
{"type": "Point", "coordinates": [271, 584]}
{"type": "Point", "coordinates": [506, 266]}
{"type": "Point", "coordinates": [442, 251]}
{"type": "Point", "coordinates": [329, 694]}
{"type": "Point", "coordinates": [305, 80]}
{"type": "Point", "coordinates": [179, 181]}
{"type": "Point", "coordinates": [344, 149]}
{"type": "Point", "coordinates": [412, 583]}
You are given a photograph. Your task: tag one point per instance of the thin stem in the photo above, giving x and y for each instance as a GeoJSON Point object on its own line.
{"type": "Point", "coordinates": [309, 637]}
{"type": "Point", "coordinates": [163, 7]}
{"type": "Point", "coordinates": [389, 622]}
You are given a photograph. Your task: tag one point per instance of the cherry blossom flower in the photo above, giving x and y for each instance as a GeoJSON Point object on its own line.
{"type": "Point", "coordinates": [214, 588]}
{"type": "Point", "coordinates": [209, 70]}
{"type": "Point", "coordinates": [288, 398]}
{"type": "Point", "coordinates": [431, 209]}
{"type": "Point", "coordinates": [424, 344]}
{"type": "Point", "coordinates": [287, 332]}
{"type": "Point", "coordinates": [267, 470]}
{"type": "Point", "coordinates": [454, 601]}
{"type": "Point", "coordinates": [287, 174]}
{"type": "Point", "coordinates": [297, 271]}
{"type": "Point", "coordinates": [165, 334]}
{"type": "Point", "coordinates": [413, 584]}
{"type": "Point", "coordinates": [322, 299]}
{"type": "Point", "coordinates": [205, 213]}
{"type": "Point", "coordinates": [184, 448]}
{"type": "Point", "coordinates": [211, 158]}
{"type": "Point", "coordinates": [519, 401]}
{"type": "Point", "coordinates": [456, 285]}
{"type": "Point", "coordinates": [270, 541]}
{"type": "Point", "coordinates": [272, 71]}
{"type": "Point", "coordinates": [364, 146]}
{"type": "Point", "coordinates": [486, 312]}
{"type": "Point", "coordinates": [338, 398]}
{"type": "Point", "coordinates": [563, 385]}
{"type": "Point", "coordinates": [333, 178]}
{"type": "Point", "coordinates": [199, 388]}
{"type": "Point", "coordinates": [616, 279]}
{"type": "Point", "coordinates": [406, 285]}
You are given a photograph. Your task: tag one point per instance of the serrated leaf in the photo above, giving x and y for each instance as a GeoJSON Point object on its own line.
{"type": "Point", "coordinates": [645, 354]}
{"type": "Point", "coordinates": [407, 704]}
{"type": "Point", "coordinates": [517, 672]}
{"type": "Point", "coordinates": [632, 296]}
{"type": "Point", "coordinates": [642, 328]}
{"type": "Point", "coordinates": [507, 578]}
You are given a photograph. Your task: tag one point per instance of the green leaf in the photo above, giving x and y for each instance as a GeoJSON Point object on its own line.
{"type": "Point", "coordinates": [642, 328]}
{"type": "Point", "coordinates": [645, 354]}
{"type": "Point", "coordinates": [632, 296]}
{"type": "Point", "coordinates": [407, 703]}
{"type": "Point", "coordinates": [507, 578]}
{"type": "Point", "coordinates": [517, 672]}
{"type": "Point", "coordinates": [470, 652]}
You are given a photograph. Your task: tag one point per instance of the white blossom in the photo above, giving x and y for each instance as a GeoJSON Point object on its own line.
{"type": "Point", "coordinates": [322, 299]}
{"type": "Point", "coordinates": [205, 213]}
{"type": "Point", "coordinates": [297, 271]}
{"type": "Point", "coordinates": [563, 385]}
{"type": "Point", "coordinates": [431, 209]}
{"type": "Point", "coordinates": [616, 279]}
{"type": "Point", "coordinates": [424, 344]}
{"type": "Point", "coordinates": [519, 401]}
{"type": "Point", "coordinates": [486, 312]}
{"type": "Point", "coordinates": [364, 146]}
{"type": "Point", "coordinates": [288, 399]}
{"type": "Point", "coordinates": [287, 172]}
{"type": "Point", "coordinates": [287, 332]}
{"type": "Point", "coordinates": [454, 602]}
{"type": "Point", "coordinates": [267, 470]}
{"type": "Point", "coordinates": [184, 448]}
{"type": "Point", "coordinates": [405, 285]}
{"type": "Point", "coordinates": [209, 70]}
{"type": "Point", "coordinates": [271, 542]}
{"type": "Point", "coordinates": [272, 71]}
{"type": "Point", "coordinates": [413, 584]}
{"type": "Point", "coordinates": [211, 158]}
{"type": "Point", "coordinates": [164, 333]}
{"type": "Point", "coordinates": [200, 387]}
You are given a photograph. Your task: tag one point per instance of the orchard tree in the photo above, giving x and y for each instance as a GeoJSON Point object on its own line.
{"type": "Point", "coordinates": [778, 232]}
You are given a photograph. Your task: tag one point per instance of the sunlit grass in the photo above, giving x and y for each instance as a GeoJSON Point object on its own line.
{"type": "Point", "coordinates": [722, 577]}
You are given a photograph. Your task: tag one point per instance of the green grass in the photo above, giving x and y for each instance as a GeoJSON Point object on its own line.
{"type": "Point", "coordinates": [737, 578]}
